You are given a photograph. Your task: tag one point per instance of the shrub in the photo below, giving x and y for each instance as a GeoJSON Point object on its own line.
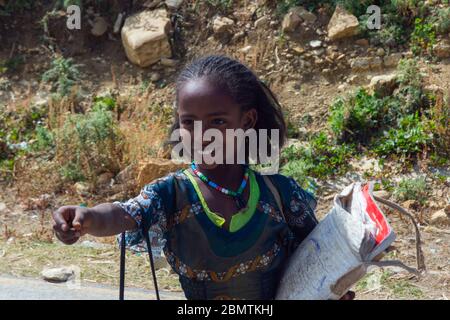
{"type": "Point", "coordinates": [63, 75]}
{"type": "Point", "coordinates": [423, 37]}
{"type": "Point", "coordinates": [89, 144]}
{"type": "Point", "coordinates": [409, 138]}
{"type": "Point", "coordinates": [319, 159]}
{"type": "Point", "coordinates": [412, 189]}
{"type": "Point", "coordinates": [353, 119]}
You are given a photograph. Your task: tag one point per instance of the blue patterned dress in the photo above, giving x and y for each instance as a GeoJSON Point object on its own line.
{"type": "Point", "coordinates": [212, 262]}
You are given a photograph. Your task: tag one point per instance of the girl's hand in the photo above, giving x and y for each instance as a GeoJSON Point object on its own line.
{"type": "Point", "coordinates": [71, 222]}
{"type": "Point", "coordinates": [350, 295]}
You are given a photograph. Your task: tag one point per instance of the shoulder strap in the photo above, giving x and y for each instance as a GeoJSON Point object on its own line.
{"type": "Point", "coordinates": [275, 193]}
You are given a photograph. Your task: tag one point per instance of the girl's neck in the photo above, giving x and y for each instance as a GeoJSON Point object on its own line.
{"type": "Point", "coordinates": [228, 176]}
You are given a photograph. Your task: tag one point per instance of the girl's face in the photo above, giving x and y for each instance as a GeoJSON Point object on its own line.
{"type": "Point", "coordinates": [200, 100]}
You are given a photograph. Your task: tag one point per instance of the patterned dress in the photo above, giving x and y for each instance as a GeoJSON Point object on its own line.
{"type": "Point", "coordinates": [215, 263]}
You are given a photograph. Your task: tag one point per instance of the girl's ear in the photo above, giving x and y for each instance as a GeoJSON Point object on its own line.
{"type": "Point", "coordinates": [249, 119]}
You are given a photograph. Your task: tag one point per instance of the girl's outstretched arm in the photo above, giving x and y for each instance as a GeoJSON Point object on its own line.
{"type": "Point", "coordinates": [107, 219]}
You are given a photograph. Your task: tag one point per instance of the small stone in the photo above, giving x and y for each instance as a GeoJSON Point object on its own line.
{"type": "Point", "coordinates": [392, 60]}
{"type": "Point", "coordinates": [298, 50]}
{"type": "Point", "coordinates": [383, 194]}
{"type": "Point", "coordinates": [222, 25]}
{"type": "Point", "coordinates": [383, 85]}
{"type": "Point", "coordinates": [380, 52]}
{"type": "Point", "coordinates": [174, 4]}
{"type": "Point", "coordinates": [411, 205]}
{"type": "Point", "coordinates": [290, 22]}
{"type": "Point", "coordinates": [362, 42]}
{"type": "Point", "coordinates": [81, 188]}
{"type": "Point", "coordinates": [304, 14]}
{"type": "Point", "coordinates": [315, 43]}
{"type": "Point", "coordinates": [2, 206]}
{"type": "Point", "coordinates": [57, 274]}
{"type": "Point", "coordinates": [105, 178]}
{"type": "Point", "coordinates": [442, 49]}
{"type": "Point", "coordinates": [166, 62]}
{"type": "Point", "coordinates": [155, 76]}
{"type": "Point", "coordinates": [440, 218]}
{"type": "Point", "coordinates": [262, 22]}
{"type": "Point", "coordinates": [245, 49]}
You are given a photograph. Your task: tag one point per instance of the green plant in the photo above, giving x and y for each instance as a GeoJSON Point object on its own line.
{"type": "Point", "coordinates": [321, 158]}
{"type": "Point", "coordinates": [12, 64]}
{"type": "Point", "coordinates": [89, 144]}
{"type": "Point", "coordinates": [423, 37]}
{"type": "Point", "coordinates": [45, 139]}
{"type": "Point", "coordinates": [409, 138]}
{"type": "Point", "coordinates": [441, 20]}
{"type": "Point", "coordinates": [63, 75]}
{"type": "Point", "coordinates": [411, 189]}
{"type": "Point", "coordinates": [16, 6]}
{"type": "Point", "coordinates": [354, 119]}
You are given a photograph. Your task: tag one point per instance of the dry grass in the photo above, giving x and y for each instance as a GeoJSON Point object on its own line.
{"type": "Point", "coordinates": [28, 258]}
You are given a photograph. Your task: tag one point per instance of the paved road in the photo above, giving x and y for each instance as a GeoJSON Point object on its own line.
{"type": "Point", "coordinates": [12, 288]}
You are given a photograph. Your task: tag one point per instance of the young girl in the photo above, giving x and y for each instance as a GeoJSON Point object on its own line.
{"type": "Point", "coordinates": [226, 235]}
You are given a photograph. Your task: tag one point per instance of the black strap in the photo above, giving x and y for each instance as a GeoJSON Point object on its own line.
{"type": "Point", "coordinates": [122, 261]}
{"type": "Point", "coordinates": [122, 267]}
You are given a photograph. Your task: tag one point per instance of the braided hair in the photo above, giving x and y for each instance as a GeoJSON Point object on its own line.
{"type": "Point", "coordinates": [242, 85]}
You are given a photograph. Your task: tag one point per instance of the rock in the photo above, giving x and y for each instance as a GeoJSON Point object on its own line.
{"type": "Point", "coordinates": [144, 37]}
{"type": "Point", "coordinates": [171, 63]}
{"type": "Point", "coordinates": [360, 64]}
{"type": "Point", "coordinates": [304, 14]}
{"type": "Point", "coordinates": [298, 50]}
{"type": "Point", "coordinates": [342, 24]}
{"type": "Point", "coordinates": [315, 43]}
{"type": "Point", "coordinates": [290, 22]}
{"type": "Point", "coordinates": [366, 63]}
{"type": "Point", "coordinates": [81, 188]}
{"type": "Point", "coordinates": [99, 27]}
{"type": "Point", "coordinates": [105, 178]}
{"type": "Point", "coordinates": [238, 36]}
{"type": "Point", "coordinates": [262, 22]}
{"type": "Point", "coordinates": [2, 206]}
{"type": "Point", "coordinates": [155, 76]}
{"type": "Point", "coordinates": [442, 49]}
{"type": "Point", "coordinates": [382, 194]}
{"type": "Point", "coordinates": [440, 218]}
{"type": "Point", "coordinates": [126, 175]}
{"type": "Point", "coordinates": [362, 42]}
{"type": "Point", "coordinates": [245, 49]}
{"type": "Point", "coordinates": [411, 205]}
{"type": "Point", "coordinates": [155, 168]}
{"type": "Point", "coordinates": [57, 274]}
{"type": "Point", "coordinates": [380, 52]}
{"type": "Point", "coordinates": [222, 25]}
{"type": "Point", "coordinates": [383, 85]}
{"type": "Point", "coordinates": [391, 61]}
{"type": "Point", "coordinates": [174, 4]}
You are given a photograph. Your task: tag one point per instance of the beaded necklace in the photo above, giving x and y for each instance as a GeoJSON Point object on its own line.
{"type": "Point", "coordinates": [237, 195]}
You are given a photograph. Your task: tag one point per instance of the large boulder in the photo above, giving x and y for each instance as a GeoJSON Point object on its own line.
{"type": "Point", "coordinates": [145, 37]}
{"type": "Point", "coordinates": [383, 85]}
{"type": "Point", "coordinates": [342, 24]}
{"type": "Point", "coordinates": [152, 169]}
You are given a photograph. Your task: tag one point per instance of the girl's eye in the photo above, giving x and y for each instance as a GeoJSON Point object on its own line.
{"type": "Point", "coordinates": [187, 122]}
{"type": "Point", "coordinates": [218, 122]}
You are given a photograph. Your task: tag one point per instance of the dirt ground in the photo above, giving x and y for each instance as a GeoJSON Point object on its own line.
{"type": "Point", "coordinates": [27, 244]}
